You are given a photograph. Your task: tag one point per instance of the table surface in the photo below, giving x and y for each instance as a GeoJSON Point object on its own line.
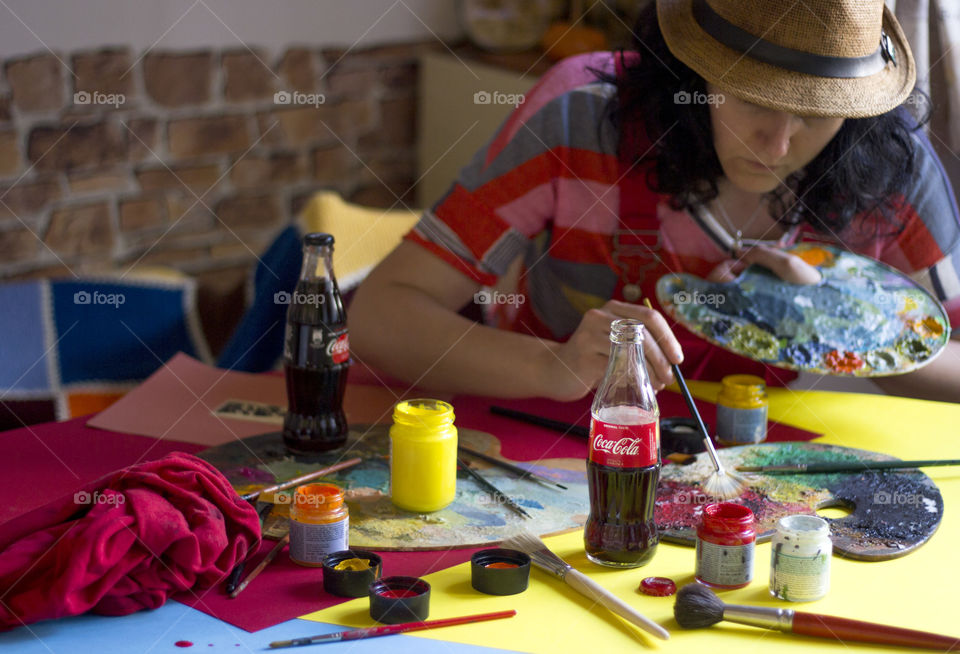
{"type": "Point", "coordinates": [915, 591]}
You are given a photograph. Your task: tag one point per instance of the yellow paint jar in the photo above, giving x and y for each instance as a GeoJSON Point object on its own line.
{"type": "Point", "coordinates": [742, 410]}
{"type": "Point", "coordinates": [423, 455]}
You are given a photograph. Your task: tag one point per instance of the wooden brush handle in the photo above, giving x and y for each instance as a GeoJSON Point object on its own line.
{"type": "Point", "coordinates": [826, 626]}
{"type": "Point", "coordinates": [591, 589]}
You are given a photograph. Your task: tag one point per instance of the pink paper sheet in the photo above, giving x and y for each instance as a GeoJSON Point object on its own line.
{"type": "Point", "coordinates": [177, 402]}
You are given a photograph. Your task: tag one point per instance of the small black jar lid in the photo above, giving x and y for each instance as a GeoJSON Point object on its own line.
{"type": "Point", "coordinates": [318, 238]}
{"type": "Point", "coordinates": [500, 571]}
{"type": "Point", "coordinates": [399, 599]}
{"type": "Point", "coordinates": [350, 583]}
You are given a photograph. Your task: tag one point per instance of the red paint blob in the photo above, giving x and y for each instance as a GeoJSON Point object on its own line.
{"type": "Point", "coordinates": [501, 565]}
{"type": "Point", "coordinates": [398, 593]}
{"type": "Point", "coordinates": [183, 643]}
{"type": "Point", "coordinates": [843, 361]}
{"type": "Point", "coordinates": [658, 586]}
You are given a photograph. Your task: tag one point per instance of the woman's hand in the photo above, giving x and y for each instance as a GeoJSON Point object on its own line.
{"type": "Point", "coordinates": [788, 267]}
{"type": "Point", "coordinates": [576, 367]}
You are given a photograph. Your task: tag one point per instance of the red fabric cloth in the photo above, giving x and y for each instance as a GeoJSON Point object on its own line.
{"type": "Point", "coordinates": [124, 543]}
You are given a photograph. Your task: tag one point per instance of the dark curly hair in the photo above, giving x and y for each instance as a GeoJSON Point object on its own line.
{"type": "Point", "coordinates": [862, 171]}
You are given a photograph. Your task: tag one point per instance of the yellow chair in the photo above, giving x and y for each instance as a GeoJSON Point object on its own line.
{"type": "Point", "coordinates": [364, 235]}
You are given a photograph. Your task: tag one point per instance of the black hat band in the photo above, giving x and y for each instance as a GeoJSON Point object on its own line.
{"type": "Point", "coordinates": [796, 60]}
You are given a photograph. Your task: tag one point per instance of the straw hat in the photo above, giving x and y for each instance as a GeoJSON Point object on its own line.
{"type": "Point", "coordinates": [845, 58]}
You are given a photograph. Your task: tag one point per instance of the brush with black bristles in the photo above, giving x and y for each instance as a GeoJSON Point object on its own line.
{"type": "Point", "coordinates": [722, 484]}
{"type": "Point", "coordinates": [544, 559]}
{"type": "Point", "coordinates": [697, 606]}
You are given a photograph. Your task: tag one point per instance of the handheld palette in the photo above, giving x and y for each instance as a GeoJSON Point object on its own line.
{"type": "Point", "coordinates": [862, 319]}
{"type": "Point", "coordinates": [893, 512]}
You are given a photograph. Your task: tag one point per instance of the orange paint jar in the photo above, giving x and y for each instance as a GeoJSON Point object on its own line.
{"type": "Point", "coordinates": [319, 523]}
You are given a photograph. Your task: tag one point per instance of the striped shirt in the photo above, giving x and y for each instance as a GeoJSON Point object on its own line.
{"type": "Point", "coordinates": [547, 188]}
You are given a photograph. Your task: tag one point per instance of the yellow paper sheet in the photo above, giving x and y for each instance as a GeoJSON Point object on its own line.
{"type": "Point", "coordinates": [916, 591]}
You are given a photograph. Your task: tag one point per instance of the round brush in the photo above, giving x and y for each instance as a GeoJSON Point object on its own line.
{"type": "Point", "coordinates": [697, 606]}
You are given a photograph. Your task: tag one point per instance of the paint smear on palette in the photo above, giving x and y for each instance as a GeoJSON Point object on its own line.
{"type": "Point", "coordinates": [892, 512]}
{"type": "Point", "coordinates": [862, 319]}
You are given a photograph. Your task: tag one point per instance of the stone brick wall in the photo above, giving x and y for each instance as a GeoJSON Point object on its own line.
{"type": "Point", "coordinates": [194, 160]}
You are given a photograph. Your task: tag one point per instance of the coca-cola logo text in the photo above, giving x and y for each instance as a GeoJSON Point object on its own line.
{"type": "Point", "coordinates": [339, 349]}
{"type": "Point", "coordinates": [624, 446]}
{"type": "Point", "coordinates": [628, 446]}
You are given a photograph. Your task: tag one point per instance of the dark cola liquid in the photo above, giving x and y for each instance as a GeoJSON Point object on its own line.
{"type": "Point", "coordinates": [315, 421]}
{"type": "Point", "coordinates": [620, 530]}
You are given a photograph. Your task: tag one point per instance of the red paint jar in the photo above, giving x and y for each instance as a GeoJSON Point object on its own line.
{"type": "Point", "coordinates": [726, 538]}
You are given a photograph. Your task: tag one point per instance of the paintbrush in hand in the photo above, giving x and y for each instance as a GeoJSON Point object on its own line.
{"type": "Point", "coordinates": [722, 483]}
{"type": "Point", "coordinates": [544, 559]}
{"type": "Point", "coordinates": [697, 606]}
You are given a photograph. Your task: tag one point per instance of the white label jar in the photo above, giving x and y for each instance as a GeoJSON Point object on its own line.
{"type": "Point", "coordinates": [800, 558]}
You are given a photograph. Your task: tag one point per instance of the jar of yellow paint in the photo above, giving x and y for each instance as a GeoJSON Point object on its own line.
{"type": "Point", "coordinates": [423, 455]}
{"type": "Point", "coordinates": [742, 410]}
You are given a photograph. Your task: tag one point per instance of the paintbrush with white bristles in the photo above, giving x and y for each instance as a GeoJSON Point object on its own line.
{"type": "Point", "coordinates": [722, 484]}
{"type": "Point", "coordinates": [544, 559]}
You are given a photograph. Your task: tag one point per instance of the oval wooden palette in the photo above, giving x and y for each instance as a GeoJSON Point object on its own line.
{"type": "Point", "coordinates": [862, 319]}
{"type": "Point", "coordinates": [892, 512]}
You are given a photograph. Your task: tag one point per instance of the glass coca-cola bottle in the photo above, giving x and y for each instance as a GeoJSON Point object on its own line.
{"type": "Point", "coordinates": [624, 461]}
{"type": "Point", "coordinates": [316, 354]}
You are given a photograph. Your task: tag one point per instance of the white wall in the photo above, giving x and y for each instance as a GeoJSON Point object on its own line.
{"type": "Point", "coordinates": [28, 26]}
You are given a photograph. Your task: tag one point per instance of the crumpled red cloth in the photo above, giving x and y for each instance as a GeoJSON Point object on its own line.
{"type": "Point", "coordinates": [124, 543]}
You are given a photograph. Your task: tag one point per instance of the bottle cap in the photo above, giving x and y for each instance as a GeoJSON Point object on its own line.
{"type": "Point", "coordinates": [348, 582]}
{"type": "Point", "coordinates": [499, 571]}
{"type": "Point", "coordinates": [399, 599]}
{"type": "Point", "coordinates": [318, 238]}
{"type": "Point", "coordinates": [658, 586]}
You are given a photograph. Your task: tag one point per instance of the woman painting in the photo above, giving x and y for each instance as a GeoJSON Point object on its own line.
{"type": "Point", "coordinates": [734, 130]}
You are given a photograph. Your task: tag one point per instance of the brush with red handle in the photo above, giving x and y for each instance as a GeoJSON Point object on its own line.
{"type": "Point", "coordinates": [697, 606]}
{"type": "Point", "coordinates": [386, 630]}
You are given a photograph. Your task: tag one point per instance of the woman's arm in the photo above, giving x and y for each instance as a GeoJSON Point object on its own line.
{"type": "Point", "coordinates": [403, 320]}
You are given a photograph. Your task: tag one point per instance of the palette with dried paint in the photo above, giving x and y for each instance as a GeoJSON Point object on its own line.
{"type": "Point", "coordinates": [862, 319]}
{"type": "Point", "coordinates": [892, 512]}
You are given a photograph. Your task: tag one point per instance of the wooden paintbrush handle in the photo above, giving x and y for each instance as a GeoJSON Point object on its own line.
{"type": "Point", "coordinates": [827, 626]}
{"type": "Point", "coordinates": [591, 589]}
